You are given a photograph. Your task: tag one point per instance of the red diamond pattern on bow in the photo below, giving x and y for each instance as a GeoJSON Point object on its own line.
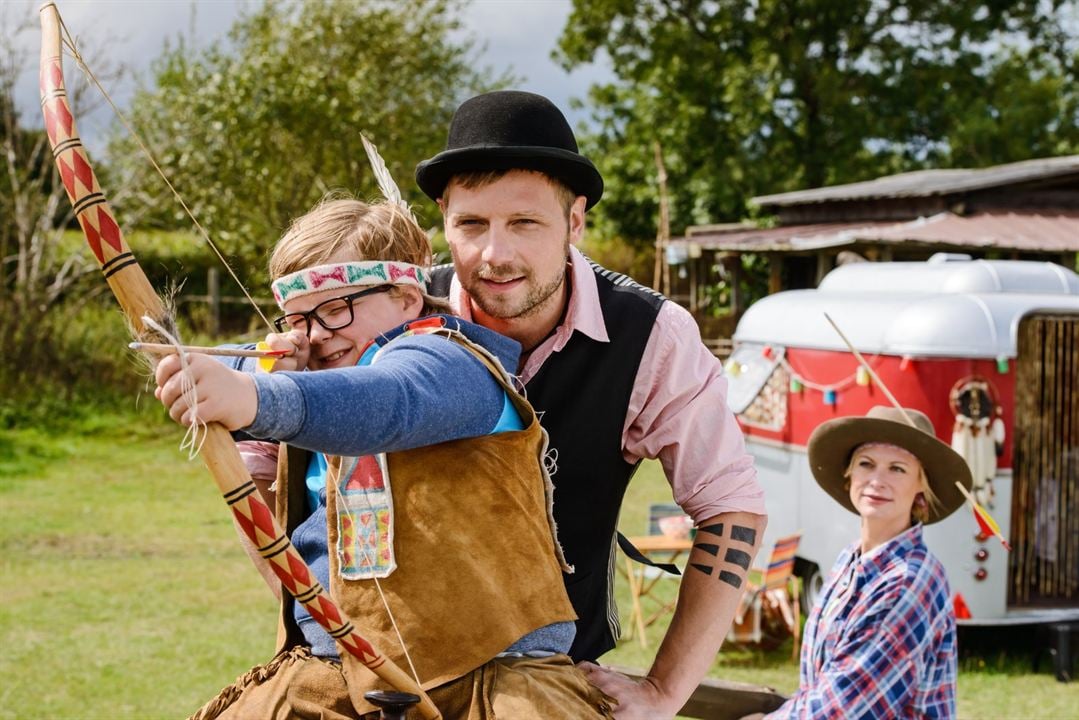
{"type": "Point", "coordinates": [284, 576]}
{"type": "Point", "coordinates": [318, 616]}
{"type": "Point", "coordinates": [298, 568]}
{"type": "Point", "coordinates": [50, 124]}
{"type": "Point", "coordinates": [84, 172]}
{"type": "Point", "coordinates": [56, 75]}
{"type": "Point", "coordinates": [262, 517]}
{"type": "Point", "coordinates": [110, 231]}
{"type": "Point", "coordinates": [58, 117]}
{"type": "Point", "coordinates": [67, 176]}
{"type": "Point", "coordinates": [245, 524]}
{"type": "Point", "coordinates": [65, 118]}
{"type": "Point", "coordinates": [359, 648]}
{"type": "Point", "coordinates": [329, 610]}
{"type": "Point", "coordinates": [92, 237]}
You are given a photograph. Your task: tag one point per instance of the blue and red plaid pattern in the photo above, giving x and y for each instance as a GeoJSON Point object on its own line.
{"type": "Point", "coordinates": [880, 642]}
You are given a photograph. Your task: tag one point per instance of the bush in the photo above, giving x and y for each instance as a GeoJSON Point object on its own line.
{"type": "Point", "coordinates": [620, 256]}
{"type": "Point", "coordinates": [66, 363]}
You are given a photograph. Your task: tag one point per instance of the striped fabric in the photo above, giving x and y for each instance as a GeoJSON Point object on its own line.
{"type": "Point", "coordinates": [781, 564]}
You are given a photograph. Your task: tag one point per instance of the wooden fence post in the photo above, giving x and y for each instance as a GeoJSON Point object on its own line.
{"type": "Point", "coordinates": [213, 291]}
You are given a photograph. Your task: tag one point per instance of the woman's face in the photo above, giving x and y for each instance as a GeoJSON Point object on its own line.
{"type": "Point", "coordinates": [884, 482]}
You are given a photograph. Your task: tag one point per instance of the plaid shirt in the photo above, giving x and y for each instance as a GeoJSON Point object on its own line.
{"type": "Point", "coordinates": [880, 642]}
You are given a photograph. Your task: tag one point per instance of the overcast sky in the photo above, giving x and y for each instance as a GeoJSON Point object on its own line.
{"type": "Point", "coordinates": [518, 34]}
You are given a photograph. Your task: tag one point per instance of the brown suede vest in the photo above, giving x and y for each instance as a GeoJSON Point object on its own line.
{"type": "Point", "coordinates": [479, 564]}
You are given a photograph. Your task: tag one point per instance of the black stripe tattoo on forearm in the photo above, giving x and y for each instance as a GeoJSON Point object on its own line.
{"type": "Point", "coordinates": [730, 578]}
{"type": "Point", "coordinates": [733, 556]}
{"type": "Point", "coordinates": [737, 557]}
{"type": "Point", "coordinates": [716, 530]}
{"type": "Point", "coordinates": [743, 534]}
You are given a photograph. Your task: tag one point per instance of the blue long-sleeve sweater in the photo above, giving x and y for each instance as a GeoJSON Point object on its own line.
{"type": "Point", "coordinates": [423, 390]}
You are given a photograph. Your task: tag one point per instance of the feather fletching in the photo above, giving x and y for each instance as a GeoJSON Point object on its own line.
{"type": "Point", "coordinates": [389, 188]}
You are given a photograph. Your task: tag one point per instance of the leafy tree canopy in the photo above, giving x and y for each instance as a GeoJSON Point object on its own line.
{"type": "Point", "coordinates": [749, 97]}
{"type": "Point", "coordinates": [254, 131]}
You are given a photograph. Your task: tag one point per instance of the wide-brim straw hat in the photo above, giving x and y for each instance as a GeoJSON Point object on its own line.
{"type": "Point", "coordinates": [832, 444]}
{"type": "Point", "coordinates": [511, 130]}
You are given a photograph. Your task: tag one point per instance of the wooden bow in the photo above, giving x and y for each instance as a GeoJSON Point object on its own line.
{"type": "Point", "coordinates": [138, 300]}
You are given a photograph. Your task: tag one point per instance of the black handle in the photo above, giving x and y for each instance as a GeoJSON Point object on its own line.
{"type": "Point", "coordinates": [394, 705]}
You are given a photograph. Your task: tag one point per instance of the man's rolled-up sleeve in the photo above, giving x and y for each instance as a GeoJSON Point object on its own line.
{"type": "Point", "coordinates": [678, 414]}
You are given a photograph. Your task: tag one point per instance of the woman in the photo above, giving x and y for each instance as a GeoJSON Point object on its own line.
{"type": "Point", "coordinates": [880, 642]}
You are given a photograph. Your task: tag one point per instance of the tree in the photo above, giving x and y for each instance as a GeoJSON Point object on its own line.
{"type": "Point", "coordinates": [56, 351]}
{"type": "Point", "coordinates": [750, 97]}
{"type": "Point", "coordinates": [38, 268]}
{"type": "Point", "coordinates": [253, 132]}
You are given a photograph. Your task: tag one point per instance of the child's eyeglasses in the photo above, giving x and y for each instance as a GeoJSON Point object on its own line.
{"type": "Point", "coordinates": [332, 314]}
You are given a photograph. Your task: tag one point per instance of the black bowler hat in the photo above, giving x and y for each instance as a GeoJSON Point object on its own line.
{"type": "Point", "coordinates": [511, 130]}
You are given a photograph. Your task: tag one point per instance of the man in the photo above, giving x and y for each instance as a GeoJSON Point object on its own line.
{"type": "Point", "coordinates": [616, 372]}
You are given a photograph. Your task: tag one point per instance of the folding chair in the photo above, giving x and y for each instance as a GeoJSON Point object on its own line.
{"type": "Point", "coordinates": [769, 610]}
{"type": "Point", "coordinates": [642, 578]}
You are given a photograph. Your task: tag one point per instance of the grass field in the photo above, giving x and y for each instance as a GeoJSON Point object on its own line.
{"type": "Point", "coordinates": [125, 593]}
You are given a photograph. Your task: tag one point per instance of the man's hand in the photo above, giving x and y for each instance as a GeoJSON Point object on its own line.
{"type": "Point", "coordinates": [637, 699]}
{"type": "Point", "coordinates": [224, 395]}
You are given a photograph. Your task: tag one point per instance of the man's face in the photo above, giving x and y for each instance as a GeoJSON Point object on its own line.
{"type": "Point", "coordinates": [510, 241]}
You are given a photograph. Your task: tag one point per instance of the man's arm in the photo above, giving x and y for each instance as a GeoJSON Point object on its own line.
{"type": "Point", "coordinates": [678, 413]}
{"type": "Point", "coordinates": [712, 586]}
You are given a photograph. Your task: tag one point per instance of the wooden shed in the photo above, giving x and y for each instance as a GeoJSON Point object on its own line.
{"type": "Point", "coordinates": [1019, 211]}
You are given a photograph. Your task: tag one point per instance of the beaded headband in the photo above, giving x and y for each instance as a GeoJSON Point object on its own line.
{"type": "Point", "coordinates": [346, 275]}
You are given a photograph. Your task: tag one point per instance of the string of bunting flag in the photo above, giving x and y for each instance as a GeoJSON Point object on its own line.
{"type": "Point", "coordinates": [798, 380]}
{"type": "Point", "coordinates": [830, 391]}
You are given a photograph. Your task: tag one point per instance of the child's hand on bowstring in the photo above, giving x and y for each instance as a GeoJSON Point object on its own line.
{"type": "Point", "coordinates": [222, 395]}
{"type": "Point", "coordinates": [294, 341]}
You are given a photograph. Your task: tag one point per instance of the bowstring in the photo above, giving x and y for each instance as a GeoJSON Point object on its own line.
{"type": "Point", "coordinates": [69, 43]}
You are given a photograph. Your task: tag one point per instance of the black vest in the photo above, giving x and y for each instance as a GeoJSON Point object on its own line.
{"type": "Point", "coordinates": [582, 395]}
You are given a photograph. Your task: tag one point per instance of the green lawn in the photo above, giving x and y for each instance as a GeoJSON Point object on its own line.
{"type": "Point", "coordinates": [125, 594]}
{"type": "Point", "coordinates": [998, 685]}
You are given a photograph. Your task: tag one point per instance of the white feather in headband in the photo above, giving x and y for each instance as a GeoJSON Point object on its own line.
{"type": "Point", "coordinates": [389, 188]}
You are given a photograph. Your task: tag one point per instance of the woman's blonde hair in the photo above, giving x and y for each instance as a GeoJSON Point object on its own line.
{"type": "Point", "coordinates": [918, 513]}
{"type": "Point", "coordinates": [343, 228]}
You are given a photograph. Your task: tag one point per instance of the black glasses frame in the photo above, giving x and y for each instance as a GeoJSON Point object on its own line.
{"type": "Point", "coordinates": [282, 324]}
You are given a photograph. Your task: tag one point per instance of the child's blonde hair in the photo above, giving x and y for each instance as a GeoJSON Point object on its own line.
{"type": "Point", "coordinates": [345, 229]}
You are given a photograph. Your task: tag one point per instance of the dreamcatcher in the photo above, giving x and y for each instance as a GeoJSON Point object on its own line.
{"type": "Point", "coordinates": [978, 433]}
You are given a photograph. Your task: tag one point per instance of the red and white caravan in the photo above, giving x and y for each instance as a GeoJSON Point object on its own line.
{"type": "Point", "coordinates": [989, 350]}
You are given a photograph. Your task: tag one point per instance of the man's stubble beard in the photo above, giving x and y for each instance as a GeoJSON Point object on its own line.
{"type": "Point", "coordinates": [534, 302]}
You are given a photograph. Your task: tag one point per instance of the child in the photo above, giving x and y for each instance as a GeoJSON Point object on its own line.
{"type": "Point", "coordinates": [412, 470]}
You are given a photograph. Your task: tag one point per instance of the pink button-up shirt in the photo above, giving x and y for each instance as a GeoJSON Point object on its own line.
{"type": "Point", "coordinates": [678, 412]}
